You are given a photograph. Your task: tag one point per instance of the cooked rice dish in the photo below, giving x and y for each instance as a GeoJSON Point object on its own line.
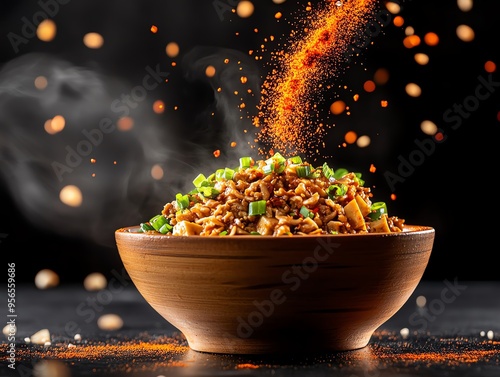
{"type": "Point", "coordinates": [275, 197]}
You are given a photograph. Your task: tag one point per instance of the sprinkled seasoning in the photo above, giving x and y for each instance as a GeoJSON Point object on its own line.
{"type": "Point", "coordinates": [287, 114]}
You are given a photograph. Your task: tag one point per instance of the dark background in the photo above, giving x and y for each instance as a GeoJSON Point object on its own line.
{"type": "Point", "coordinates": [453, 188]}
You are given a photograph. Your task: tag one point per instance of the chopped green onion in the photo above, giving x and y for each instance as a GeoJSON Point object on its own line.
{"type": "Point", "coordinates": [145, 227]}
{"type": "Point", "coordinates": [358, 179]}
{"type": "Point", "coordinates": [334, 191]}
{"type": "Point", "coordinates": [306, 213]}
{"type": "Point", "coordinates": [165, 228]}
{"type": "Point", "coordinates": [211, 178]}
{"type": "Point", "coordinates": [257, 208]}
{"type": "Point", "coordinates": [223, 233]}
{"type": "Point", "coordinates": [228, 174]}
{"type": "Point", "coordinates": [278, 163]}
{"type": "Point", "coordinates": [246, 162]}
{"type": "Point", "coordinates": [268, 169]}
{"type": "Point", "coordinates": [328, 171]}
{"type": "Point", "coordinates": [377, 210]}
{"type": "Point", "coordinates": [255, 233]}
{"type": "Point", "coordinates": [339, 173]}
{"type": "Point", "coordinates": [295, 160]}
{"type": "Point", "coordinates": [303, 171]}
{"type": "Point", "coordinates": [199, 180]}
{"type": "Point", "coordinates": [182, 200]}
{"type": "Point", "coordinates": [208, 192]}
{"type": "Point", "coordinates": [158, 221]}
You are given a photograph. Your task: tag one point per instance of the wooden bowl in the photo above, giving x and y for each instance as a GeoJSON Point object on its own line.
{"type": "Point", "coordinates": [264, 294]}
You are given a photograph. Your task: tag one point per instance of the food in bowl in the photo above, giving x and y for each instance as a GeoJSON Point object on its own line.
{"type": "Point", "coordinates": [277, 196]}
{"type": "Point", "coordinates": [267, 295]}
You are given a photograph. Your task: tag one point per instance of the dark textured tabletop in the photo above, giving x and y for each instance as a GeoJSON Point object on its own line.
{"type": "Point", "coordinates": [446, 328]}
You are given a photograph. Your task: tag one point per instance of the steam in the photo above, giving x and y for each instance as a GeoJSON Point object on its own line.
{"type": "Point", "coordinates": [122, 186]}
{"type": "Point", "coordinates": [230, 67]}
{"type": "Point", "coordinates": [112, 167]}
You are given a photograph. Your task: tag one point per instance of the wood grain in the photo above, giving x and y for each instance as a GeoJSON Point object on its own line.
{"type": "Point", "coordinates": [264, 294]}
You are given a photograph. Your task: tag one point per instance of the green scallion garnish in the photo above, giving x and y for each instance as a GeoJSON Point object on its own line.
{"type": "Point", "coordinates": [335, 191]}
{"type": "Point", "coordinates": [303, 171]}
{"type": "Point", "coordinates": [295, 160]}
{"type": "Point", "coordinates": [257, 208]}
{"type": "Point", "coordinates": [339, 173]}
{"type": "Point", "coordinates": [246, 162]}
{"type": "Point", "coordinates": [182, 200]}
{"type": "Point", "coordinates": [145, 227]}
{"type": "Point", "coordinates": [328, 171]}
{"type": "Point", "coordinates": [304, 211]}
{"type": "Point", "coordinates": [377, 210]}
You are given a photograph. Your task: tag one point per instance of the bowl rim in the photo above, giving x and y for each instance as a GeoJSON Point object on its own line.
{"type": "Point", "coordinates": [409, 230]}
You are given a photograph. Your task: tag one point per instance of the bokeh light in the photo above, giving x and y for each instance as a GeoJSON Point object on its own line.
{"type": "Point", "coordinates": [413, 90]}
{"type": "Point", "coordinates": [422, 58]}
{"type": "Point", "coordinates": [381, 76]}
{"type": "Point", "coordinates": [428, 127]}
{"type": "Point", "coordinates": [158, 106]}
{"type": "Point", "coordinates": [41, 82]}
{"type": "Point", "coordinates": [431, 39]}
{"type": "Point", "coordinates": [465, 5]}
{"type": "Point", "coordinates": [210, 71]}
{"type": "Point", "coordinates": [46, 30]}
{"type": "Point", "coordinates": [490, 66]}
{"type": "Point", "coordinates": [93, 40]}
{"type": "Point", "coordinates": [71, 196]}
{"type": "Point", "coordinates": [125, 123]}
{"type": "Point", "coordinates": [157, 172]}
{"type": "Point", "coordinates": [363, 141]}
{"type": "Point", "coordinates": [369, 86]}
{"type": "Point", "coordinates": [245, 9]}
{"type": "Point", "coordinates": [465, 33]}
{"type": "Point", "coordinates": [172, 49]}
{"type": "Point", "coordinates": [393, 7]}
{"type": "Point", "coordinates": [350, 137]}
{"type": "Point", "coordinates": [337, 107]}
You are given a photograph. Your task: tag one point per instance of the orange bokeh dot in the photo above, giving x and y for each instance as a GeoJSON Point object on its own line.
{"type": "Point", "coordinates": [369, 86]}
{"type": "Point", "coordinates": [431, 39]}
{"type": "Point", "coordinates": [398, 21]}
{"type": "Point", "coordinates": [393, 196]}
{"type": "Point", "coordinates": [337, 107]}
{"type": "Point", "coordinates": [125, 123]}
{"type": "Point", "coordinates": [158, 106]}
{"type": "Point", "coordinates": [350, 137]}
{"type": "Point", "coordinates": [381, 76]}
{"type": "Point", "coordinates": [411, 41]}
{"type": "Point", "coordinates": [439, 136]}
{"type": "Point", "coordinates": [490, 66]}
{"type": "Point", "coordinates": [217, 153]}
{"type": "Point", "coordinates": [154, 28]}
